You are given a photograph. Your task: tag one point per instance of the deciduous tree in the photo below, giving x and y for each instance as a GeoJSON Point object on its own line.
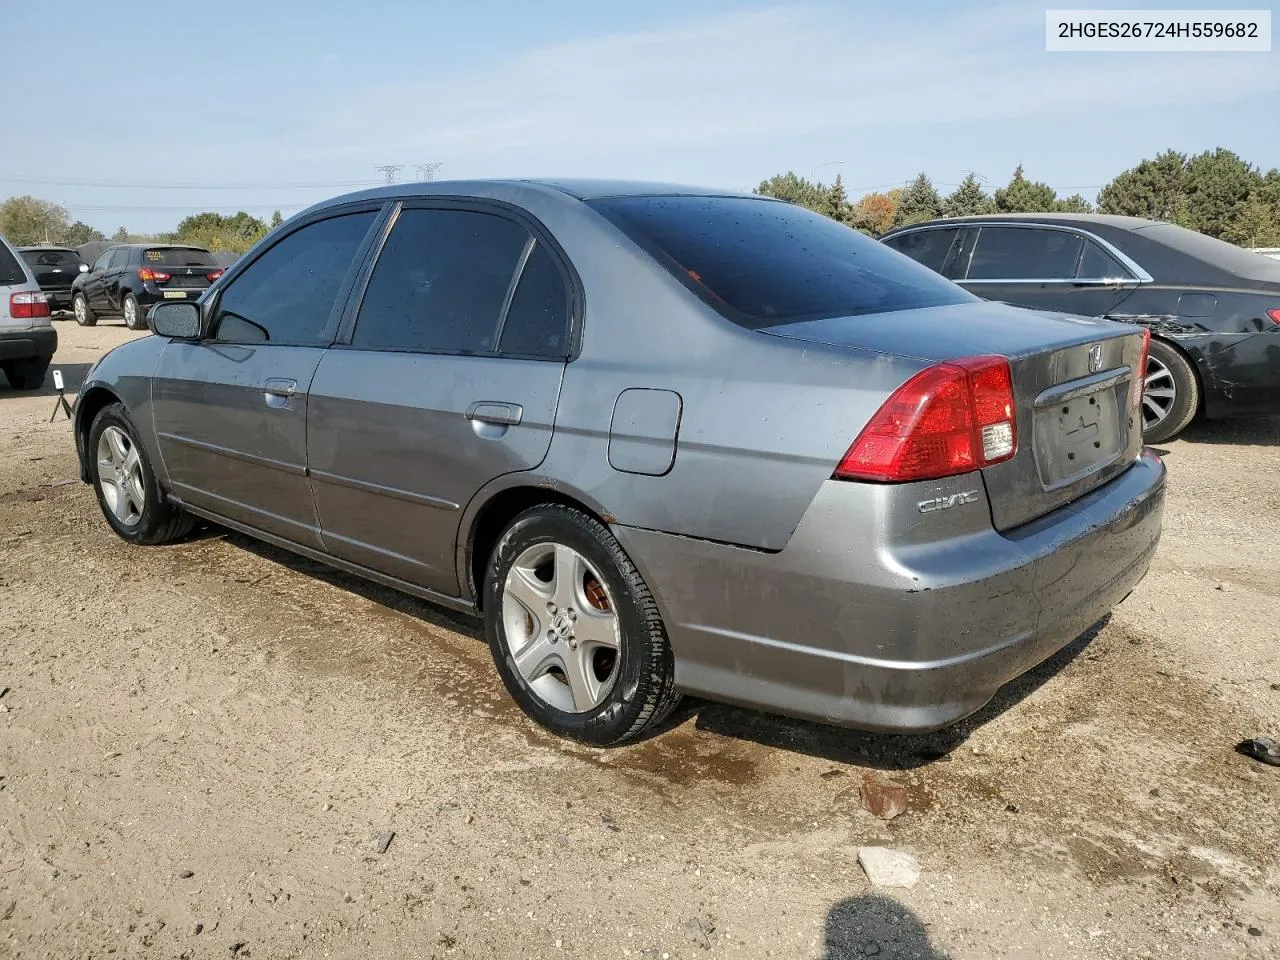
{"type": "Point", "coordinates": [27, 220]}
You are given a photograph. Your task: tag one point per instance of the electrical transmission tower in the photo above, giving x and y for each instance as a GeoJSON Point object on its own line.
{"type": "Point", "coordinates": [390, 170]}
{"type": "Point", "coordinates": [427, 171]}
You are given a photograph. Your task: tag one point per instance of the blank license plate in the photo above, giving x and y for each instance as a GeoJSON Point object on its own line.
{"type": "Point", "coordinates": [1078, 435]}
{"type": "Point", "coordinates": [175, 294]}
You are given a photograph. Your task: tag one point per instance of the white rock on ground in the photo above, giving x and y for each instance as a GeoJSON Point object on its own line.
{"type": "Point", "coordinates": [889, 868]}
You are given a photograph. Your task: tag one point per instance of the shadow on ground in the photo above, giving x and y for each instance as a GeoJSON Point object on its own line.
{"type": "Point", "coordinates": [835, 744]}
{"type": "Point", "coordinates": [73, 375]}
{"type": "Point", "coordinates": [876, 926]}
{"type": "Point", "coordinates": [1259, 431]}
{"type": "Point", "coordinates": [880, 750]}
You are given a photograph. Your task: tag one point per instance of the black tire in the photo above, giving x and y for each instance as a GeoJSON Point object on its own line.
{"type": "Point", "coordinates": [86, 318]}
{"type": "Point", "coordinates": [643, 689]}
{"type": "Point", "coordinates": [139, 321]}
{"type": "Point", "coordinates": [1186, 392]}
{"type": "Point", "coordinates": [26, 374]}
{"type": "Point", "coordinates": [159, 520]}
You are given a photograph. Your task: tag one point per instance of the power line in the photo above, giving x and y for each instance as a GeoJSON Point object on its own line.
{"type": "Point", "coordinates": [427, 171]}
{"type": "Point", "coordinates": [139, 185]}
{"type": "Point", "coordinates": [140, 208]}
{"type": "Point", "coordinates": [389, 170]}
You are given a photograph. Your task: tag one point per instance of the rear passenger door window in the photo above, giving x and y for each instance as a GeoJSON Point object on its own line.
{"type": "Point", "coordinates": [463, 282]}
{"type": "Point", "coordinates": [927, 247]}
{"type": "Point", "coordinates": [289, 294]}
{"type": "Point", "coordinates": [1025, 254]}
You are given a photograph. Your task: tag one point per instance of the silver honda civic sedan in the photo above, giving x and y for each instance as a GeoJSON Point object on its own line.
{"type": "Point", "coordinates": [662, 440]}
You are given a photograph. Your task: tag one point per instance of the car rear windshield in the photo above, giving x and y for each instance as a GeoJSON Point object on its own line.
{"type": "Point", "coordinates": [178, 257]}
{"type": "Point", "coordinates": [51, 258]}
{"type": "Point", "coordinates": [761, 263]}
{"type": "Point", "coordinates": [11, 272]}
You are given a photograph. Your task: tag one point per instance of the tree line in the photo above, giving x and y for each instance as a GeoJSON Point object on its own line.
{"type": "Point", "coordinates": [25, 221]}
{"type": "Point", "coordinates": [1215, 192]}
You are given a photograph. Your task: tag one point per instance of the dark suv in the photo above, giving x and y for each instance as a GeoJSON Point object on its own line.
{"type": "Point", "coordinates": [55, 269]}
{"type": "Point", "coordinates": [127, 279]}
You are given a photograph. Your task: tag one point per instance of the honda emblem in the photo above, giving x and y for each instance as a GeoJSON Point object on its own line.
{"type": "Point", "coordinates": [1095, 358]}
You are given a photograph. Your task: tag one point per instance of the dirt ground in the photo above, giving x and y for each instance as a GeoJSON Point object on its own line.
{"type": "Point", "coordinates": [201, 743]}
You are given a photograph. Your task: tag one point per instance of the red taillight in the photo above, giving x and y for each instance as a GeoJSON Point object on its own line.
{"type": "Point", "coordinates": [28, 306]}
{"type": "Point", "coordinates": [950, 418]}
{"type": "Point", "coordinates": [146, 274]}
{"type": "Point", "coordinates": [1140, 383]}
{"type": "Point", "coordinates": [1274, 315]}
{"type": "Point", "coordinates": [215, 275]}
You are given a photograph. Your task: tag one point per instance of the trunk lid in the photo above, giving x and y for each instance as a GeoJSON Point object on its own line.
{"type": "Point", "coordinates": [1072, 381]}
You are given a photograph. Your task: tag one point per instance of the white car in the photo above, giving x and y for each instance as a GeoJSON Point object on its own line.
{"type": "Point", "coordinates": [27, 337]}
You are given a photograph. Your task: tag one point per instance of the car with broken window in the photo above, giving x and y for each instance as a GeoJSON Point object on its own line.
{"type": "Point", "coordinates": [1213, 309]}
{"type": "Point", "coordinates": [660, 440]}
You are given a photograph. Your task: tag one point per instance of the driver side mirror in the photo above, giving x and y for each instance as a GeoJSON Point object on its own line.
{"type": "Point", "coordinates": [179, 321]}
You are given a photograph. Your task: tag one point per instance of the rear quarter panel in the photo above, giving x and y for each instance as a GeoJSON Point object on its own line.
{"type": "Point", "coordinates": [763, 421]}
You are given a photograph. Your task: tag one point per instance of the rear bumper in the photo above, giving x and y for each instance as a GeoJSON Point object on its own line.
{"type": "Point", "coordinates": [59, 299]}
{"type": "Point", "coordinates": [152, 293]}
{"type": "Point", "coordinates": [856, 625]}
{"type": "Point", "coordinates": [28, 344]}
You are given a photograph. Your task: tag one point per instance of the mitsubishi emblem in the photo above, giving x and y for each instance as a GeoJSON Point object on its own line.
{"type": "Point", "coordinates": [1095, 358]}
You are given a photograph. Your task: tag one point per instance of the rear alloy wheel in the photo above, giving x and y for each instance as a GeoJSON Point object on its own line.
{"type": "Point", "coordinates": [126, 485]}
{"type": "Point", "coordinates": [575, 633]}
{"type": "Point", "coordinates": [1170, 394]}
{"type": "Point", "coordinates": [80, 308]}
{"type": "Point", "coordinates": [134, 318]}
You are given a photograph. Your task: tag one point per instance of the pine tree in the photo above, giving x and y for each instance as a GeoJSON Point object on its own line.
{"type": "Point", "coordinates": [1154, 189]}
{"type": "Point", "coordinates": [1073, 204]}
{"type": "Point", "coordinates": [1025, 196]}
{"type": "Point", "coordinates": [1217, 184]}
{"type": "Point", "coordinates": [968, 200]}
{"type": "Point", "coordinates": [838, 202]}
{"type": "Point", "coordinates": [796, 189]}
{"type": "Point", "coordinates": [919, 202]}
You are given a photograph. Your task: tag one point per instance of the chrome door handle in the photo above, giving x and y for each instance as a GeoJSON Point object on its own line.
{"type": "Point", "coordinates": [280, 387]}
{"type": "Point", "coordinates": [492, 411]}
{"type": "Point", "coordinates": [277, 390]}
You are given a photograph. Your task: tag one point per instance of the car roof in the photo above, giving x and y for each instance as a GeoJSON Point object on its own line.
{"type": "Point", "coordinates": [45, 247]}
{"type": "Point", "coordinates": [1079, 219]}
{"type": "Point", "coordinates": [157, 246]}
{"type": "Point", "coordinates": [577, 188]}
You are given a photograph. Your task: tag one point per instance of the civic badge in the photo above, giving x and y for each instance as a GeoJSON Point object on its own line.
{"type": "Point", "coordinates": [1095, 358]}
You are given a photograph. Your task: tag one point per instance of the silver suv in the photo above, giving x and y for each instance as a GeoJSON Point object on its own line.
{"type": "Point", "coordinates": [27, 338]}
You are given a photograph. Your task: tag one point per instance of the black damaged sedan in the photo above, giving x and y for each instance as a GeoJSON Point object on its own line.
{"type": "Point", "coordinates": [1213, 308]}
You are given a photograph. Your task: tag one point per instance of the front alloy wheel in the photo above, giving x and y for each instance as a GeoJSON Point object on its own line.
{"type": "Point", "coordinates": [128, 493]}
{"type": "Point", "coordinates": [120, 478]}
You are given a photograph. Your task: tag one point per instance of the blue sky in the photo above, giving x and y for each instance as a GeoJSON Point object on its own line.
{"type": "Point", "coordinates": [290, 101]}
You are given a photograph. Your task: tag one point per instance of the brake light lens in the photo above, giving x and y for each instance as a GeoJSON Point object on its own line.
{"type": "Point", "coordinates": [954, 417]}
{"type": "Point", "coordinates": [146, 274]}
{"type": "Point", "coordinates": [215, 275]}
{"type": "Point", "coordinates": [1274, 315]}
{"type": "Point", "coordinates": [28, 306]}
{"type": "Point", "coordinates": [1140, 384]}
